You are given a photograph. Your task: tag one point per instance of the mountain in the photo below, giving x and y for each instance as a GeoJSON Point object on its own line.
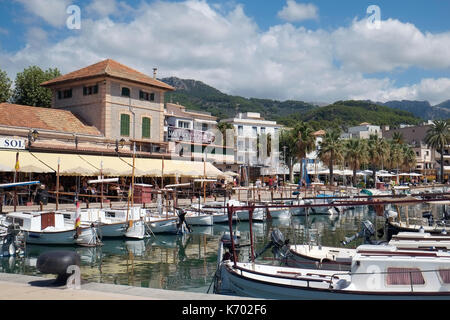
{"type": "Point", "coordinates": [422, 109]}
{"type": "Point", "coordinates": [354, 112]}
{"type": "Point", "coordinates": [197, 95]}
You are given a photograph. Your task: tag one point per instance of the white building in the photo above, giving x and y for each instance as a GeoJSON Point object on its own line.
{"type": "Point", "coordinates": [363, 131]}
{"type": "Point", "coordinates": [250, 129]}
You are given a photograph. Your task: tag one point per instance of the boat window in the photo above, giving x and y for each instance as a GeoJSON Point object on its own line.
{"type": "Point", "coordinates": [66, 215]}
{"type": "Point", "coordinates": [15, 220]}
{"type": "Point", "coordinates": [110, 214]}
{"type": "Point", "coordinates": [404, 276]}
{"type": "Point", "coordinates": [445, 275]}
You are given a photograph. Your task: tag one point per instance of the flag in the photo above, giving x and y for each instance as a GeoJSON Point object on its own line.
{"type": "Point", "coordinates": [78, 216]}
{"type": "Point", "coordinates": [17, 166]}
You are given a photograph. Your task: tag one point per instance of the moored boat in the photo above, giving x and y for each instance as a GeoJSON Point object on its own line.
{"type": "Point", "coordinates": [50, 228]}
{"type": "Point", "coordinates": [377, 272]}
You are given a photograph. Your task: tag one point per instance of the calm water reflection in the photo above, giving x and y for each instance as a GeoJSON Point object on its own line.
{"type": "Point", "coordinates": [188, 262]}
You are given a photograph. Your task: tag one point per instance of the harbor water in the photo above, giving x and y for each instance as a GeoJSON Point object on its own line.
{"type": "Point", "coordinates": [188, 262]}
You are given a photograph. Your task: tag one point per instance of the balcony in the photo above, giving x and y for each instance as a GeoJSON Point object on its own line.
{"type": "Point", "coordinates": [189, 135]}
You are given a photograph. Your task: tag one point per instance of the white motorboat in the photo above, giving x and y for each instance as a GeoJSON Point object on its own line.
{"type": "Point", "coordinates": [259, 215]}
{"type": "Point", "coordinates": [220, 215]}
{"type": "Point", "coordinates": [160, 224]}
{"type": "Point", "coordinates": [196, 218]}
{"type": "Point", "coordinates": [377, 272]}
{"type": "Point", "coordinates": [334, 258]}
{"type": "Point", "coordinates": [296, 211]}
{"type": "Point", "coordinates": [51, 228]}
{"type": "Point", "coordinates": [274, 212]}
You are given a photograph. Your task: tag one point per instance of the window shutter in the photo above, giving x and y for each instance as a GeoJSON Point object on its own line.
{"type": "Point", "coordinates": [125, 125]}
{"type": "Point", "coordinates": [146, 127]}
{"type": "Point", "coordinates": [125, 92]}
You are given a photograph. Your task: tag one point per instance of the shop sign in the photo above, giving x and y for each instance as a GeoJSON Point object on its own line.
{"type": "Point", "coordinates": [11, 143]}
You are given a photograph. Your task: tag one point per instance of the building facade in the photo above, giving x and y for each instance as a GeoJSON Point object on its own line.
{"type": "Point", "coordinates": [256, 144]}
{"type": "Point", "coordinates": [195, 135]}
{"type": "Point", "coordinates": [426, 158]}
{"type": "Point", "coordinates": [120, 102]}
{"type": "Point", "coordinates": [363, 131]}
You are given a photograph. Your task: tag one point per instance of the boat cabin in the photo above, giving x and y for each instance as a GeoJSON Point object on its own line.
{"type": "Point", "coordinates": [36, 221]}
{"type": "Point", "coordinates": [387, 269]}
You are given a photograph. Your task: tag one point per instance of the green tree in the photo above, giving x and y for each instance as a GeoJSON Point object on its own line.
{"type": "Point", "coordinates": [378, 153]}
{"type": "Point", "coordinates": [409, 158]}
{"type": "Point", "coordinates": [288, 150]}
{"type": "Point", "coordinates": [331, 150]}
{"type": "Point", "coordinates": [28, 90]}
{"type": "Point", "coordinates": [356, 154]}
{"type": "Point", "coordinates": [5, 87]}
{"type": "Point", "coordinates": [437, 137]}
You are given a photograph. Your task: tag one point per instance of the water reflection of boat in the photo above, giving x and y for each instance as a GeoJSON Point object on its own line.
{"type": "Point", "coordinates": [207, 230]}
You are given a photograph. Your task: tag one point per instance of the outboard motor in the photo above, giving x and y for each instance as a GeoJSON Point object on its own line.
{"type": "Point", "coordinates": [428, 215]}
{"type": "Point", "coordinates": [278, 243]}
{"type": "Point", "coordinates": [367, 231]}
{"type": "Point", "coordinates": [182, 220]}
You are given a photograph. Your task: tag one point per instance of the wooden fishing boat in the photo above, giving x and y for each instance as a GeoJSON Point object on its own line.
{"type": "Point", "coordinates": [377, 272]}
{"type": "Point", "coordinates": [50, 228]}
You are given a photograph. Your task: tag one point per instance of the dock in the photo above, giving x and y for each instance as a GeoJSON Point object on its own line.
{"type": "Point", "coordinates": [24, 287]}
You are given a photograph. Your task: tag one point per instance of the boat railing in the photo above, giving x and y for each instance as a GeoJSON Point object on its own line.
{"type": "Point", "coordinates": [412, 280]}
{"type": "Point", "coordinates": [308, 278]}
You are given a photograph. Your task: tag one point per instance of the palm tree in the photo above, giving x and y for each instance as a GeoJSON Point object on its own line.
{"type": "Point", "coordinates": [223, 128]}
{"type": "Point", "coordinates": [331, 150]}
{"type": "Point", "coordinates": [438, 136]}
{"type": "Point", "coordinates": [409, 158]}
{"type": "Point", "coordinates": [396, 154]}
{"type": "Point", "coordinates": [287, 143]}
{"type": "Point", "coordinates": [398, 138]}
{"type": "Point", "coordinates": [305, 144]}
{"type": "Point", "coordinates": [356, 154]}
{"type": "Point", "coordinates": [378, 153]}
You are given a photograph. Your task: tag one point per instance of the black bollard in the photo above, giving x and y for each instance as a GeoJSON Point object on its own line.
{"type": "Point", "coordinates": [57, 262]}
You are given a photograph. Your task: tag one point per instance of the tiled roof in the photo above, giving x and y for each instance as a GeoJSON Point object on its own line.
{"type": "Point", "coordinates": [16, 115]}
{"type": "Point", "coordinates": [319, 133]}
{"type": "Point", "coordinates": [110, 68]}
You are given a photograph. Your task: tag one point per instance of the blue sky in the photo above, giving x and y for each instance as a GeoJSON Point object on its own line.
{"type": "Point", "coordinates": [282, 49]}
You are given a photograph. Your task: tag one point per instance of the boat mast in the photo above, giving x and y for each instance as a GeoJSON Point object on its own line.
{"type": "Point", "coordinates": [131, 193]}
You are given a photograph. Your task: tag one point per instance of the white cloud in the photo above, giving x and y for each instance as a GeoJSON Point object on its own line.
{"type": "Point", "coordinates": [394, 45]}
{"type": "Point", "coordinates": [53, 12]}
{"type": "Point", "coordinates": [226, 49]}
{"type": "Point", "coordinates": [294, 12]}
{"type": "Point", "coordinates": [102, 8]}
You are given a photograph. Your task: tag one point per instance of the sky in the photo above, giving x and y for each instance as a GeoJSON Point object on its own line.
{"type": "Point", "coordinates": [314, 51]}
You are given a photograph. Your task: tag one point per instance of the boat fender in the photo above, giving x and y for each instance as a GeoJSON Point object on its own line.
{"type": "Point", "coordinates": [57, 262]}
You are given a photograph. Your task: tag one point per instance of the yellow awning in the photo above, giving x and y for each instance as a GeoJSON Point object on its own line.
{"type": "Point", "coordinates": [27, 163]}
{"type": "Point", "coordinates": [69, 164]}
{"type": "Point", "coordinates": [91, 165]}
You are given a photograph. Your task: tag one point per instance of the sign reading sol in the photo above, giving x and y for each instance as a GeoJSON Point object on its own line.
{"type": "Point", "coordinates": [10, 143]}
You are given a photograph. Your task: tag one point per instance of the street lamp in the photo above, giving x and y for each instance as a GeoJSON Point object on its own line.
{"type": "Point", "coordinates": [32, 136]}
{"type": "Point", "coordinates": [284, 160]}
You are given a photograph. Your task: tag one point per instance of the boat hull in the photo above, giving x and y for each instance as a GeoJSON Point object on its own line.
{"type": "Point", "coordinates": [163, 226]}
{"type": "Point", "coordinates": [87, 237]}
{"type": "Point", "coordinates": [258, 215]}
{"type": "Point", "coordinates": [279, 213]}
{"type": "Point", "coordinates": [136, 230]}
{"type": "Point", "coordinates": [200, 220]}
{"type": "Point", "coordinates": [113, 230]}
{"type": "Point", "coordinates": [238, 282]}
